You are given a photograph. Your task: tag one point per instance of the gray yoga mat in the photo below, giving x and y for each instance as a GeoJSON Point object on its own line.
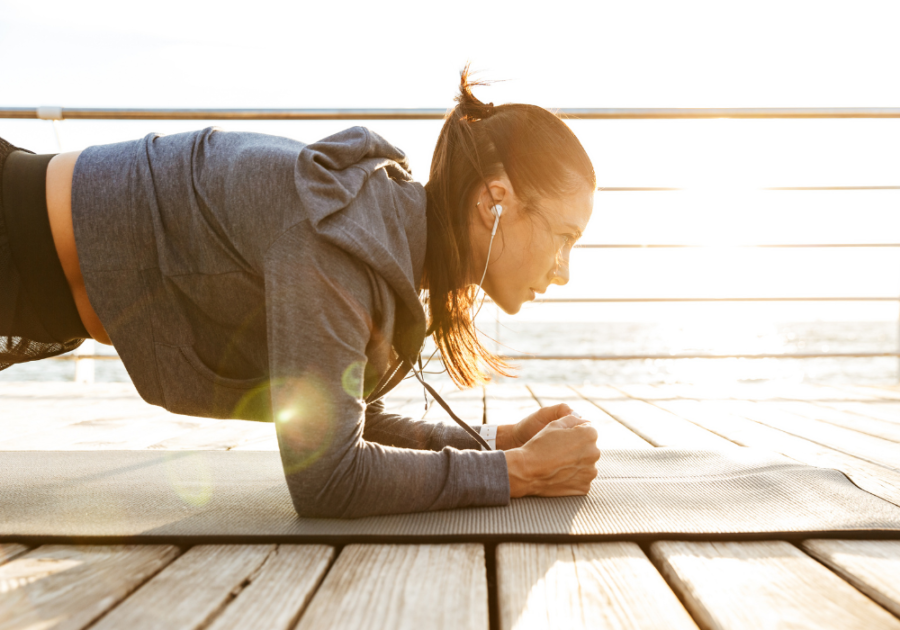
{"type": "Point", "coordinates": [152, 496]}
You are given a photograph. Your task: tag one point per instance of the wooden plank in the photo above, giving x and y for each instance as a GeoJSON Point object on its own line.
{"type": "Point", "coordinates": [116, 434]}
{"type": "Point", "coordinates": [600, 392]}
{"type": "Point", "coordinates": [67, 390]}
{"type": "Point", "coordinates": [267, 443]}
{"type": "Point", "coordinates": [408, 388]}
{"type": "Point", "coordinates": [871, 426]}
{"type": "Point", "coordinates": [867, 447]}
{"type": "Point", "coordinates": [641, 391]}
{"type": "Point", "coordinates": [872, 566]}
{"type": "Point", "coordinates": [220, 435]}
{"type": "Point", "coordinates": [414, 408]}
{"type": "Point", "coordinates": [724, 419]}
{"type": "Point", "coordinates": [468, 404]}
{"type": "Point", "coordinates": [657, 426]}
{"type": "Point", "coordinates": [8, 551]}
{"type": "Point", "coordinates": [408, 399]}
{"type": "Point", "coordinates": [402, 587]}
{"type": "Point", "coordinates": [767, 584]}
{"type": "Point", "coordinates": [190, 591]}
{"type": "Point", "coordinates": [508, 403]}
{"type": "Point", "coordinates": [883, 392]}
{"type": "Point", "coordinates": [610, 432]}
{"type": "Point", "coordinates": [887, 411]}
{"type": "Point", "coordinates": [63, 586]}
{"type": "Point", "coordinates": [815, 392]}
{"type": "Point", "coordinates": [743, 391]}
{"type": "Point", "coordinates": [32, 417]}
{"type": "Point", "coordinates": [548, 394]}
{"type": "Point", "coordinates": [54, 407]}
{"type": "Point", "coordinates": [279, 591]}
{"type": "Point", "coordinates": [592, 585]}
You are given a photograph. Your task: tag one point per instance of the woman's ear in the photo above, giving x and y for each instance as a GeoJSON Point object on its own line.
{"type": "Point", "coordinates": [499, 196]}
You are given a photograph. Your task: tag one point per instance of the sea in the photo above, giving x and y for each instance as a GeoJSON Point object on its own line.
{"type": "Point", "coordinates": [630, 338]}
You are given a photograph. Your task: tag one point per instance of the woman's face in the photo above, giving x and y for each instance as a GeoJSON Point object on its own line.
{"type": "Point", "coordinates": [530, 251]}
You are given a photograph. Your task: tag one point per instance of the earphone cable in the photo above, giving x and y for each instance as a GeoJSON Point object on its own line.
{"type": "Point", "coordinates": [484, 275]}
{"type": "Point", "coordinates": [462, 423]}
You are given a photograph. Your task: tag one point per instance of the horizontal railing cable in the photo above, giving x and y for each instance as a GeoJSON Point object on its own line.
{"type": "Point", "coordinates": [728, 245]}
{"type": "Point", "coordinates": [605, 357]}
{"type": "Point", "coordinates": [75, 113]}
{"type": "Point", "coordinates": [585, 113]}
{"type": "Point", "coordinates": [711, 299]}
{"type": "Point", "coordinates": [632, 357]}
{"type": "Point", "coordinates": [739, 188]}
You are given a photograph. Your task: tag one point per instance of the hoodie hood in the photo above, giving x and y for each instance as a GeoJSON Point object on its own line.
{"type": "Point", "coordinates": [359, 195]}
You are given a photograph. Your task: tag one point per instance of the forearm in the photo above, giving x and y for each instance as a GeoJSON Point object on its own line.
{"type": "Point", "coordinates": [400, 431]}
{"type": "Point", "coordinates": [370, 479]}
{"type": "Point", "coordinates": [403, 432]}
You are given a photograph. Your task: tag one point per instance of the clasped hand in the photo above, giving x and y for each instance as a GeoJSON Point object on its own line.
{"type": "Point", "coordinates": [551, 453]}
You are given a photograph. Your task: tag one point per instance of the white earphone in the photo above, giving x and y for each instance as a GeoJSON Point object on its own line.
{"type": "Point", "coordinates": [496, 210]}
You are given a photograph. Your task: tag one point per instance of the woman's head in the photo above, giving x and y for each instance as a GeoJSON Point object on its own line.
{"type": "Point", "coordinates": [527, 160]}
{"type": "Point", "coordinates": [534, 239]}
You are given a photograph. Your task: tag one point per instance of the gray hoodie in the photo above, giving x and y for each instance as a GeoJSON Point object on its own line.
{"type": "Point", "coordinates": [241, 275]}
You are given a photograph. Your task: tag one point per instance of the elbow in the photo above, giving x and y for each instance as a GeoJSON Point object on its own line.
{"type": "Point", "coordinates": [315, 500]}
{"type": "Point", "coordinates": [315, 510]}
{"type": "Point", "coordinates": [316, 504]}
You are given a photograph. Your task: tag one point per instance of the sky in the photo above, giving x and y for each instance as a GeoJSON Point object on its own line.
{"type": "Point", "coordinates": [562, 54]}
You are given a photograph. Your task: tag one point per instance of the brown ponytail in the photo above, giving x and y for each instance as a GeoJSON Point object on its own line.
{"type": "Point", "coordinates": [542, 159]}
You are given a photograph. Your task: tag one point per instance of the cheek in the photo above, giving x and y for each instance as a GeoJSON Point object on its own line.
{"type": "Point", "coordinates": [549, 254]}
{"type": "Point", "coordinates": [536, 263]}
{"type": "Point", "coordinates": [532, 256]}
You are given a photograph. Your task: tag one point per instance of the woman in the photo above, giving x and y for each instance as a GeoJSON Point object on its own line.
{"type": "Point", "coordinates": [241, 275]}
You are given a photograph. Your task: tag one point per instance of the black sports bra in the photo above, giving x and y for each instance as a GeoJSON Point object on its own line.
{"type": "Point", "coordinates": [45, 321]}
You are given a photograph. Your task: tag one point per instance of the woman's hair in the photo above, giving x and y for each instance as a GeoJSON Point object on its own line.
{"type": "Point", "coordinates": [541, 157]}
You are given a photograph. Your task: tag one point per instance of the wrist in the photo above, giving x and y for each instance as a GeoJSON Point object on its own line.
{"type": "Point", "coordinates": [505, 439]}
{"type": "Point", "coordinates": [519, 483]}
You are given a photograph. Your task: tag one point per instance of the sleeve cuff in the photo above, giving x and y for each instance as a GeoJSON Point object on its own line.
{"type": "Point", "coordinates": [478, 480]}
{"type": "Point", "coordinates": [455, 436]}
{"type": "Point", "coordinates": [489, 433]}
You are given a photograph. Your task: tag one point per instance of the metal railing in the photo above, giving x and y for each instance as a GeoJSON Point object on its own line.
{"type": "Point", "coordinates": [585, 113]}
{"type": "Point", "coordinates": [60, 113]}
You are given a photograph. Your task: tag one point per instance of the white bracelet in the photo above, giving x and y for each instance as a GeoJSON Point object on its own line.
{"type": "Point", "coordinates": [489, 433]}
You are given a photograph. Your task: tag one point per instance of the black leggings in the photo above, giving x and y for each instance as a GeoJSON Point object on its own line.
{"type": "Point", "coordinates": [38, 317]}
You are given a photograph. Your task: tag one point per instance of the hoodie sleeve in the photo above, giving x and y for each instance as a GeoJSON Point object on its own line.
{"type": "Point", "coordinates": [396, 430]}
{"type": "Point", "coordinates": [318, 305]}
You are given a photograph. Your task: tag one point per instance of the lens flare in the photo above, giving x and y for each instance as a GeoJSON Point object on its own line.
{"type": "Point", "coordinates": [255, 404]}
{"type": "Point", "coordinates": [353, 379]}
{"type": "Point", "coordinates": [306, 420]}
{"type": "Point", "coordinates": [189, 477]}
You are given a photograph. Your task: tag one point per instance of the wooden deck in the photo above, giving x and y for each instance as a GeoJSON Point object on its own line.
{"type": "Point", "coordinates": [661, 584]}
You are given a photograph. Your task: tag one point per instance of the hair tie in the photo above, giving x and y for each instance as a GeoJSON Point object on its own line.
{"type": "Point", "coordinates": [490, 110]}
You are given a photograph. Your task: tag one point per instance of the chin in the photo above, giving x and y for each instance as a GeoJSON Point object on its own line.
{"type": "Point", "coordinates": [509, 308]}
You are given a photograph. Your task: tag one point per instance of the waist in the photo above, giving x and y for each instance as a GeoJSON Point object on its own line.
{"type": "Point", "coordinates": [24, 189]}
